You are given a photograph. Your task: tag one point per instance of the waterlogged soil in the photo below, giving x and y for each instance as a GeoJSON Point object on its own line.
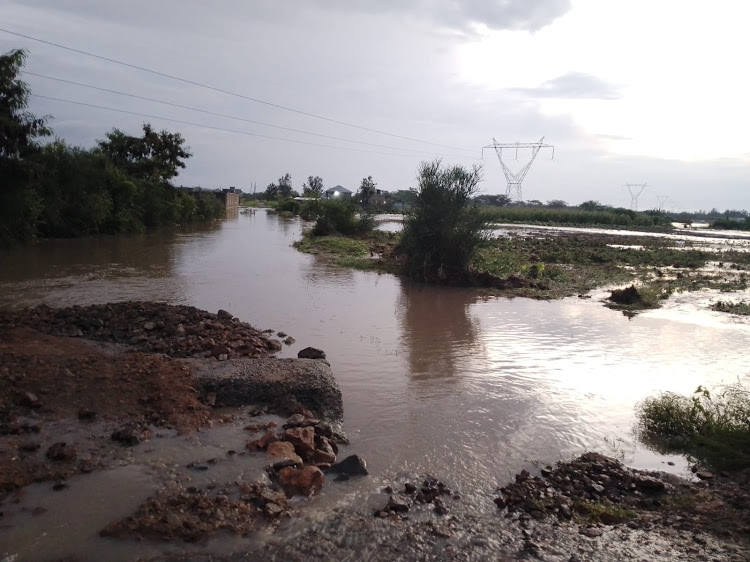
{"type": "Point", "coordinates": [588, 509]}
{"type": "Point", "coordinates": [70, 405]}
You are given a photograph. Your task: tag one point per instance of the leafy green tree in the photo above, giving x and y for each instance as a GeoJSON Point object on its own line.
{"type": "Point", "coordinates": [557, 204]}
{"type": "Point", "coordinates": [591, 205]}
{"type": "Point", "coordinates": [445, 227]}
{"type": "Point", "coordinates": [20, 131]}
{"type": "Point", "coordinates": [156, 156]}
{"type": "Point", "coordinates": [366, 191]}
{"type": "Point", "coordinates": [272, 192]}
{"type": "Point", "coordinates": [313, 187]}
{"type": "Point", "coordinates": [285, 186]}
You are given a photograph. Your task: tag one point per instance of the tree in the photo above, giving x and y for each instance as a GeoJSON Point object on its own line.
{"type": "Point", "coordinates": [445, 227]}
{"type": "Point", "coordinates": [501, 200]}
{"type": "Point", "coordinates": [153, 157]}
{"type": "Point", "coordinates": [590, 205]}
{"type": "Point", "coordinates": [19, 129]}
{"type": "Point", "coordinates": [557, 204]}
{"type": "Point", "coordinates": [272, 192]}
{"type": "Point", "coordinates": [20, 204]}
{"type": "Point", "coordinates": [313, 187]}
{"type": "Point", "coordinates": [366, 191]}
{"type": "Point", "coordinates": [285, 186]}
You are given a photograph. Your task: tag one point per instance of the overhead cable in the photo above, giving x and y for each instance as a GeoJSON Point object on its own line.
{"type": "Point", "coordinates": [230, 93]}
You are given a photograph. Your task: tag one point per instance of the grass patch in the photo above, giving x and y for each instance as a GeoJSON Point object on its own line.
{"type": "Point", "coordinates": [604, 512]}
{"type": "Point", "coordinates": [713, 429]}
{"type": "Point", "coordinates": [741, 308]}
{"type": "Point", "coordinates": [338, 246]}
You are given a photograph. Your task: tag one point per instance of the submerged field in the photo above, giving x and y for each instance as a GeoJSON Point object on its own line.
{"type": "Point", "coordinates": [556, 264]}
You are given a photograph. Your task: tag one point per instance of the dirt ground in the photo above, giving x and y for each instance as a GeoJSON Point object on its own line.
{"type": "Point", "coordinates": [45, 379]}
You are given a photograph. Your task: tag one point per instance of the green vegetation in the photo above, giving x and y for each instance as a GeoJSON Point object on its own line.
{"type": "Point", "coordinates": [445, 228]}
{"type": "Point", "coordinates": [713, 429]}
{"type": "Point", "coordinates": [336, 217]}
{"type": "Point", "coordinates": [741, 308]}
{"type": "Point", "coordinates": [56, 190]}
{"type": "Point", "coordinates": [731, 224]}
{"type": "Point", "coordinates": [603, 511]}
{"type": "Point", "coordinates": [588, 215]}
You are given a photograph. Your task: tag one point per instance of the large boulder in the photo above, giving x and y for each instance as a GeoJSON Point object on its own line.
{"type": "Point", "coordinates": [240, 381]}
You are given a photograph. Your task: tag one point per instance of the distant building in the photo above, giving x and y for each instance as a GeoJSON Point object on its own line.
{"type": "Point", "coordinates": [337, 192]}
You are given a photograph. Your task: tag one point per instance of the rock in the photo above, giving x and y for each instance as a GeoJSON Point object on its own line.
{"type": "Point", "coordinates": [323, 457]}
{"type": "Point", "coordinates": [273, 510]}
{"type": "Point", "coordinates": [29, 399]}
{"type": "Point", "coordinates": [627, 296]}
{"type": "Point", "coordinates": [148, 326]}
{"type": "Point", "coordinates": [61, 452]}
{"type": "Point", "coordinates": [591, 532]}
{"type": "Point", "coordinates": [220, 352]}
{"type": "Point", "coordinates": [282, 334]}
{"type": "Point", "coordinates": [304, 481]}
{"type": "Point", "coordinates": [397, 504]}
{"type": "Point", "coordinates": [410, 488]}
{"type": "Point", "coordinates": [239, 382]}
{"type": "Point", "coordinates": [224, 315]}
{"type": "Point", "coordinates": [650, 484]}
{"type": "Point", "coordinates": [127, 435]}
{"type": "Point", "coordinates": [299, 420]}
{"type": "Point", "coordinates": [273, 345]}
{"type": "Point", "coordinates": [289, 340]}
{"type": "Point", "coordinates": [85, 414]}
{"type": "Point", "coordinates": [199, 466]}
{"type": "Point", "coordinates": [268, 495]}
{"type": "Point", "coordinates": [303, 439]}
{"type": "Point", "coordinates": [704, 475]}
{"type": "Point", "coordinates": [598, 488]}
{"type": "Point", "coordinates": [522, 476]}
{"type": "Point", "coordinates": [283, 450]}
{"type": "Point", "coordinates": [566, 511]}
{"type": "Point", "coordinates": [311, 353]}
{"type": "Point", "coordinates": [269, 437]}
{"type": "Point", "coordinates": [351, 465]}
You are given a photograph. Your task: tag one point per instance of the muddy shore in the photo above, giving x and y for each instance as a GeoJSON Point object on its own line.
{"type": "Point", "coordinates": [82, 388]}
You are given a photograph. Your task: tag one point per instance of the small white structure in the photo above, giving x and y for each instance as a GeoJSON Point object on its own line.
{"type": "Point", "coordinates": [338, 192]}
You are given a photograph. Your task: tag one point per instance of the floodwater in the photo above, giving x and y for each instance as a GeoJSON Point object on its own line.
{"type": "Point", "coordinates": [435, 380]}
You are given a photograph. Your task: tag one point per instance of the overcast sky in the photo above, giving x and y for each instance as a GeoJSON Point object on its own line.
{"type": "Point", "coordinates": [630, 91]}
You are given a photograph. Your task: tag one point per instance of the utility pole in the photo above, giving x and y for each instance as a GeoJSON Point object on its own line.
{"type": "Point", "coordinates": [515, 179]}
{"type": "Point", "coordinates": [635, 190]}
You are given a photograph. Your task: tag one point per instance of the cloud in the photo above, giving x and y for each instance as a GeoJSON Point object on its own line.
{"type": "Point", "coordinates": [530, 15]}
{"type": "Point", "coordinates": [461, 15]}
{"type": "Point", "coordinates": [573, 85]}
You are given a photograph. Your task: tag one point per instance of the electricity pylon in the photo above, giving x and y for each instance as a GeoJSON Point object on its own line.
{"type": "Point", "coordinates": [662, 199]}
{"type": "Point", "coordinates": [635, 190]}
{"type": "Point", "coordinates": [516, 179]}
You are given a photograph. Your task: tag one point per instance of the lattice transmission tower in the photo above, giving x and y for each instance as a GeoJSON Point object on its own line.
{"type": "Point", "coordinates": [515, 179]}
{"type": "Point", "coordinates": [635, 190]}
{"type": "Point", "coordinates": [662, 199]}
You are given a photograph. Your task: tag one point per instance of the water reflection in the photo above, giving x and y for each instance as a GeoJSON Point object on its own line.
{"type": "Point", "coordinates": [439, 334]}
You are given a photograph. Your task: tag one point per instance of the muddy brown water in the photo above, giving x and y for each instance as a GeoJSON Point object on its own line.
{"type": "Point", "coordinates": [468, 388]}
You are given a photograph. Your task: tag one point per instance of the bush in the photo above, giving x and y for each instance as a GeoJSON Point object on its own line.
{"type": "Point", "coordinates": [714, 430]}
{"type": "Point", "coordinates": [445, 227]}
{"type": "Point", "coordinates": [289, 206]}
{"type": "Point", "coordinates": [336, 217]}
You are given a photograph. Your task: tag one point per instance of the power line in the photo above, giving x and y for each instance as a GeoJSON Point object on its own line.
{"type": "Point", "coordinates": [227, 92]}
{"type": "Point", "coordinates": [220, 114]}
{"type": "Point", "coordinates": [221, 128]}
